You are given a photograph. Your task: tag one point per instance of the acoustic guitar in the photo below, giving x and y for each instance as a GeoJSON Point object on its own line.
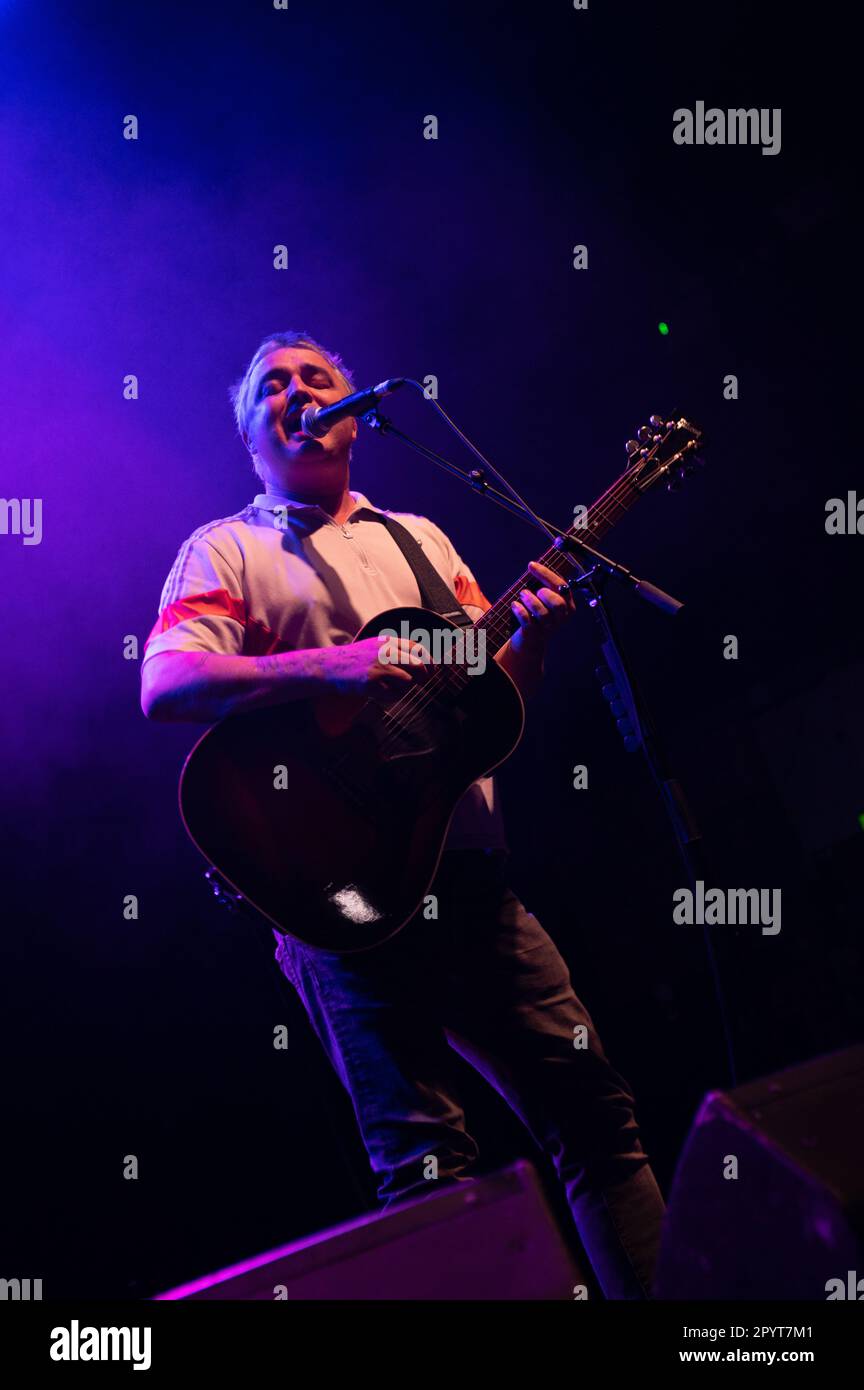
{"type": "Point", "coordinates": [328, 816]}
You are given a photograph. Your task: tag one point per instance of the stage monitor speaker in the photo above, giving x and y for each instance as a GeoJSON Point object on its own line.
{"type": "Point", "coordinates": [493, 1238]}
{"type": "Point", "coordinates": [768, 1197]}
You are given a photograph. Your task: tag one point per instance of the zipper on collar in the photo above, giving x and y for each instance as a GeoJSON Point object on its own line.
{"type": "Point", "coordinates": [350, 534]}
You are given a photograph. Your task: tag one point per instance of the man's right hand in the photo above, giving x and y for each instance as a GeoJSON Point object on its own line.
{"type": "Point", "coordinates": [382, 664]}
{"type": "Point", "coordinates": [201, 687]}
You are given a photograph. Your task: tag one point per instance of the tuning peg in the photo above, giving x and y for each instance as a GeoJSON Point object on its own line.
{"type": "Point", "coordinates": [644, 434]}
{"type": "Point", "coordinates": [631, 446]}
{"type": "Point", "coordinates": [657, 422]}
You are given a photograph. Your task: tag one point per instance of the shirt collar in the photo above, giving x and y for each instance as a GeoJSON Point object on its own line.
{"type": "Point", "coordinates": [271, 502]}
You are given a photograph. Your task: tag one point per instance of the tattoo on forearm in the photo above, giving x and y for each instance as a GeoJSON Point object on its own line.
{"type": "Point", "coordinates": [268, 665]}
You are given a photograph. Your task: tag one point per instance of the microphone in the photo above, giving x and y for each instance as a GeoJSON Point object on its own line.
{"type": "Point", "coordinates": [316, 420]}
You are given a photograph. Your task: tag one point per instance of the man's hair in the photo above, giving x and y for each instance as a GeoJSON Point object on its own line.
{"type": "Point", "coordinates": [239, 392]}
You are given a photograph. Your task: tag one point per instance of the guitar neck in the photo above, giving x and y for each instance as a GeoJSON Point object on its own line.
{"type": "Point", "coordinates": [498, 622]}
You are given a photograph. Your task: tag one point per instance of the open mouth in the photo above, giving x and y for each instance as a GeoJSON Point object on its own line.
{"type": "Point", "coordinates": [293, 430]}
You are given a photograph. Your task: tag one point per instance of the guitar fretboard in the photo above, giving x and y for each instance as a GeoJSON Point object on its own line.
{"type": "Point", "coordinates": [499, 622]}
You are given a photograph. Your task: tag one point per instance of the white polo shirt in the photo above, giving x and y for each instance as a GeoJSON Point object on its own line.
{"type": "Point", "coordinates": [282, 576]}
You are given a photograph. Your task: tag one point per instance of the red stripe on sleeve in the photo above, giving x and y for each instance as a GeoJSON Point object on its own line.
{"type": "Point", "coordinates": [217, 603]}
{"type": "Point", "coordinates": [258, 639]}
{"type": "Point", "coordinates": [468, 592]}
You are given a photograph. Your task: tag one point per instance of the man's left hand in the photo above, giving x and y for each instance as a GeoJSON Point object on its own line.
{"type": "Point", "coordinates": [540, 614]}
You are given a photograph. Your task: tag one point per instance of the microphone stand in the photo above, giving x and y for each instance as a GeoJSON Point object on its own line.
{"type": "Point", "coordinates": [627, 702]}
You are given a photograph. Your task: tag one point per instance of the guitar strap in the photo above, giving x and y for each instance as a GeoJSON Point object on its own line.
{"type": "Point", "coordinates": [434, 593]}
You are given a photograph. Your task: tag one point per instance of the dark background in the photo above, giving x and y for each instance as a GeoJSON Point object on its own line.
{"type": "Point", "coordinates": [409, 256]}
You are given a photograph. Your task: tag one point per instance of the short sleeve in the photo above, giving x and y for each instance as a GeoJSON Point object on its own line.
{"type": "Point", "coordinates": [461, 578]}
{"type": "Point", "coordinates": [202, 608]}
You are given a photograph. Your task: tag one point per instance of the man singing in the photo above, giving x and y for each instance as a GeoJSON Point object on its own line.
{"type": "Point", "coordinates": [261, 608]}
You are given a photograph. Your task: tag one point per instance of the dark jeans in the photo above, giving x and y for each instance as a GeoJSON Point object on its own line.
{"type": "Point", "coordinates": [486, 980]}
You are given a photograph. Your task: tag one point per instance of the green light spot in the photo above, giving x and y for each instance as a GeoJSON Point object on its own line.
{"type": "Point", "coordinates": [663, 328]}
{"type": "Point", "coordinates": [861, 820]}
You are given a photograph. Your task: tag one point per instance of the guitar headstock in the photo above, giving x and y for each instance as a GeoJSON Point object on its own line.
{"type": "Point", "coordinates": [663, 451]}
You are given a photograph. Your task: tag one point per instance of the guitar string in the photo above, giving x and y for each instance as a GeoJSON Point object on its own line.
{"type": "Point", "coordinates": [399, 717]}
{"type": "Point", "coordinates": [411, 703]}
{"type": "Point", "coordinates": [402, 713]}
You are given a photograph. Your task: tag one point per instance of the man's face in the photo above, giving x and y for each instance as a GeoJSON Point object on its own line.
{"type": "Point", "coordinates": [286, 380]}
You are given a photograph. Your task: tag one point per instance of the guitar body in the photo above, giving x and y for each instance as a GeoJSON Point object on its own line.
{"type": "Point", "coordinates": [329, 815]}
